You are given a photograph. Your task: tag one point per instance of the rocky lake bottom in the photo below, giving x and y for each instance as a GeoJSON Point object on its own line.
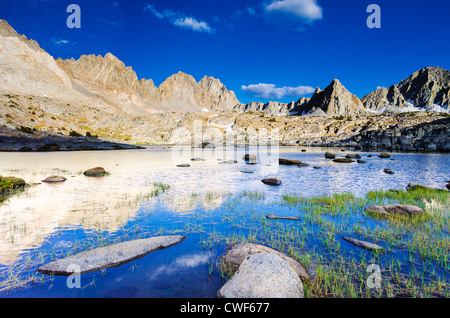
{"type": "Point", "coordinates": [216, 200]}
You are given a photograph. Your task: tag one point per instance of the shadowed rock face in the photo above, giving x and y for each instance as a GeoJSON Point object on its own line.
{"type": "Point", "coordinates": [109, 256]}
{"type": "Point", "coordinates": [263, 275]}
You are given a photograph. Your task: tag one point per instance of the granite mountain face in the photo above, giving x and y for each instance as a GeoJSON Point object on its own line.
{"type": "Point", "coordinates": [427, 89]}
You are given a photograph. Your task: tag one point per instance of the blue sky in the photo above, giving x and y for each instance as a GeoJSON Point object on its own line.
{"type": "Point", "coordinates": [261, 49]}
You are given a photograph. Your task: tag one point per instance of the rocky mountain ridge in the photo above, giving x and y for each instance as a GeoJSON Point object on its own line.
{"type": "Point", "coordinates": [103, 96]}
{"type": "Point", "coordinates": [428, 88]}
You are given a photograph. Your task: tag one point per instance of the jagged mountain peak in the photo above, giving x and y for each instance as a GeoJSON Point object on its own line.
{"type": "Point", "coordinates": [334, 100]}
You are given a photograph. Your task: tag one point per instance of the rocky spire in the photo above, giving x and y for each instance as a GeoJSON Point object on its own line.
{"type": "Point", "coordinates": [335, 100]}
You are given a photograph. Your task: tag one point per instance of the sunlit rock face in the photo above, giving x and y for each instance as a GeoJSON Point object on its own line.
{"type": "Point", "coordinates": [426, 89]}
{"type": "Point", "coordinates": [335, 100]}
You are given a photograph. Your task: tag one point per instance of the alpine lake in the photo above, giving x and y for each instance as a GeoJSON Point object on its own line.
{"type": "Point", "coordinates": [214, 203]}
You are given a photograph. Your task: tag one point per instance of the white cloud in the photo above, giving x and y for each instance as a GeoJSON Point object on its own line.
{"type": "Point", "coordinates": [61, 42]}
{"type": "Point", "coordinates": [180, 20]}
{"type": "Point", "coordinates": [193, 24]}
{"type": "Point", "coordinates": [269, 91]}
{"type": "Point", "coordinates": [305, 9]}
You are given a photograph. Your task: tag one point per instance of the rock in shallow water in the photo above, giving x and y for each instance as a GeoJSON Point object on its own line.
{"type": "Point", "coordinates": [275, 217]}
{"type": "Point", "coordinates": [54, 179]}
{"type": "Point", "coordinates": [343, 160]}
{"type": "Point", "coordinates": [366, 245]}
{"type": "Point", "coordinates": [394, 209]}
{"type": "Point", "coordinates": [237, 253]}
{"type": "Point", "coordinates": [109, 256]}
{"type": "Point", "coordinates": [271, 181]}
{"type": "Point", "coordinates": [263, 275]}
{"type": "Point", "coordinates": [95, 172]}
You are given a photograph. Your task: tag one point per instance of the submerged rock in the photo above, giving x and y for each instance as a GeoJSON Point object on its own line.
{"type": "Point", "coordinates": [389, 209]}
{"type": "Point", "coordinates": [388, 171]}
{"type": "Point", "coordinates": [95, 172]}
{"type": "Point", "coordinates": [363, 244]}
{"type": "Point", "coordinates": [275, 217]}
{"type": "Point", "coordinates": [361, 161]}
{"type": "Point", "coordinates": [54, 179]}
{"type": "Point", "coordinates": [237, 253]}
{"type": "Point", "coordinates": [263, 275]}
{"type": "Point", "coordinates": [184, 165]}
{"type": "Point", "coordinates": [109, 256]}
{"type": "Point", "coordinates": [197, 159]}
{"type": "Point", "coordinates": [271, 181]}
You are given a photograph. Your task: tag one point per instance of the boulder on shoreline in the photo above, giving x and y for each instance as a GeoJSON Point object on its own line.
{"type": "Point", "coordinates": [109, 256]}
{"type": "Point", "coordinates": [263, 275]}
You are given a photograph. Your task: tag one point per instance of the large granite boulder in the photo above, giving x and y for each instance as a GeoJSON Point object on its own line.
{"type": "Point", "coordinates": [263, 275]}
{"type": "Point", "coordinates": [237, 253]}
